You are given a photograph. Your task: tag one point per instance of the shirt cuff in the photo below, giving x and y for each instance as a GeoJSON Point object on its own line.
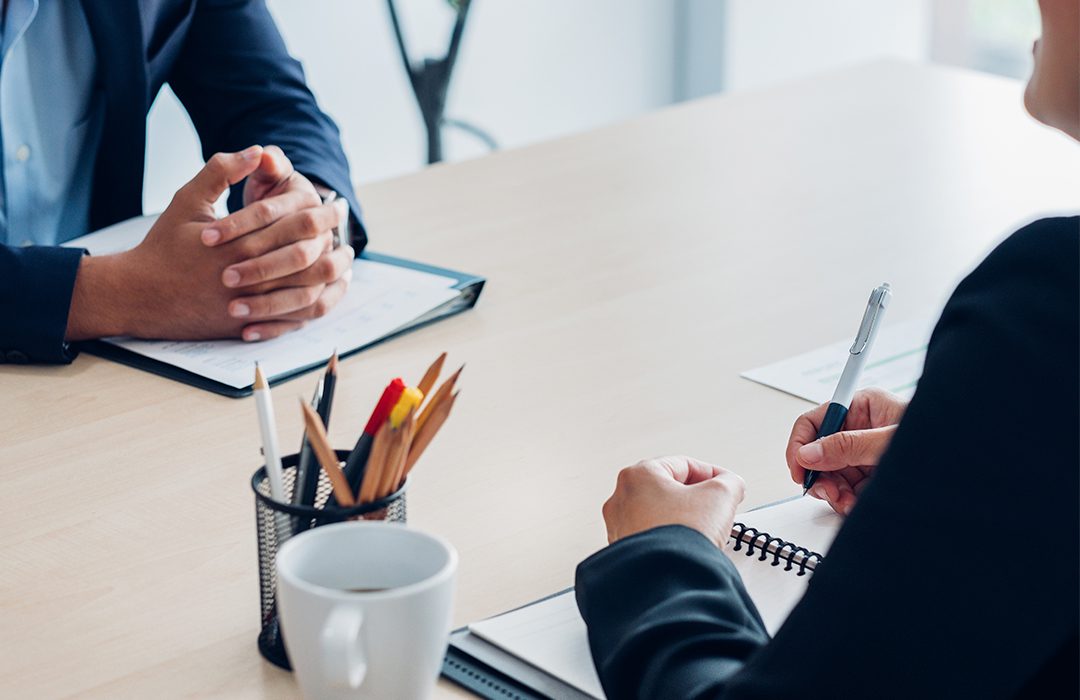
{"type": "Point", "coordinates": [36, 303]}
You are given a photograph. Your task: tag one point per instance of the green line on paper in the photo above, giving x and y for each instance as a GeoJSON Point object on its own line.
{"type": "Point", "coordinates": [886, 360]}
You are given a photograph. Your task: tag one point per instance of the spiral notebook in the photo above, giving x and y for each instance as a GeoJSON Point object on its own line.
{"type": "Point", "coordinates": [541, 650]}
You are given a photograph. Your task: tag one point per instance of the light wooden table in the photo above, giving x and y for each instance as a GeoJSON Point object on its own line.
{"type": "Point", "coordinates": [633, 271]}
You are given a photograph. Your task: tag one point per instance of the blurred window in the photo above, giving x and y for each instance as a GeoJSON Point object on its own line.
{"type": "Point", "coordinates": [988, 35]}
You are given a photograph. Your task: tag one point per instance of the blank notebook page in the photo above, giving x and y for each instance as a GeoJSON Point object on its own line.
{"type": "Point", "coordinates": [549, 635]}
{"type": "Point", "coordinates": [806, 522]}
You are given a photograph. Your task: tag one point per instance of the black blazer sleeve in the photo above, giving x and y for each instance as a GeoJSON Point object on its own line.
{"type": "Point", "coordinates": [667, 614]}
{"type": "Point", "coordinates": [36, 284]}
{"type": "Point", "coordinates": [957, 572]}
{"type": "Point", "coordinates": [238, 82]}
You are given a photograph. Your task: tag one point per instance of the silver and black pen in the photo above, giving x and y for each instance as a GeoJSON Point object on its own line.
{"type": "Point", "coordinates": [837, 411]}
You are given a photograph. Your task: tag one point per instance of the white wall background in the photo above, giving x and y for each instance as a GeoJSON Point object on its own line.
{"type": "Point", "coordinates": [528, 70]}
{"type": "Point", "coordinates": [531, 70]}
{"type": "Point", "coordinates": [989, 35]}
{"type": "Point", "coordinates": [771, 40]}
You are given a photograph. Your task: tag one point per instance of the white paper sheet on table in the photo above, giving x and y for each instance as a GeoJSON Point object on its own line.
{"type": "Point", "coordinates": [381, 299]}
{"type": "Point", "coordinates": [895, 364]}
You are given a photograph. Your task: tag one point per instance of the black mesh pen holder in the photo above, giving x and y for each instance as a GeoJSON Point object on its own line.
{"type": "Point", "coordinates": [276, 522]}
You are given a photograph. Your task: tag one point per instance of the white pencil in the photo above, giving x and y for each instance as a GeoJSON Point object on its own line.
{"type": "Point", "coordinates": [268, 427]}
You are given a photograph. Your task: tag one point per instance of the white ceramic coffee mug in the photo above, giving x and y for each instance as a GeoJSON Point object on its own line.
{"type": "Point", "coordinates": [365, 609]}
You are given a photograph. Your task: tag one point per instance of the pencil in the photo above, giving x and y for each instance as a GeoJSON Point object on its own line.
{"type": "Point", "coordinates": [327, 458]}
{"type": "Point", "coordinates": [440, 395]}
{"type": "Point", "coordinates": [395, 458]}
{"type": "Point", "coordinates": [307, 469]}
{"type": "Point", "coordinates": [264, 405]}
{"type": "Point", "coordinates": [329, 384]}
{"type": "Point", "coordinates": [426, 433]}
{"type": "Point", "coordinates": [307, 473]}
{"type": "Point", "coordinates": [373, 472]}
{"type": "Point", "coordinates": [432, 375]}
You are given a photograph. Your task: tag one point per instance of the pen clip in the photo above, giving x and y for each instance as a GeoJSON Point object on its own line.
{"type": "Point", "coordinates": [879, 299]}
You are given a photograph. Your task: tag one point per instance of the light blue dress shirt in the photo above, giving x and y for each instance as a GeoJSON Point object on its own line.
{"type": "Point", "coordinates": [51, 118]}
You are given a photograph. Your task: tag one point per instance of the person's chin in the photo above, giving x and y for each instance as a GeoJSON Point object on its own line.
{"type": "Point", "coordinates": [1050, 112]}
{"type": "Point", "coordinates": [1036, 102]}
{"type": "Point", "coordinates": [1031, 99]}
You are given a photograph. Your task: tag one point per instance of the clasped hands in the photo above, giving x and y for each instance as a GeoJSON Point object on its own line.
{"type": "Point", "coordinates": [704, 497]}
{"type": "Point", "coordinates": [255, 274]}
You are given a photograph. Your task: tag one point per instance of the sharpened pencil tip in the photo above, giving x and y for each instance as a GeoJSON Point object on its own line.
{"type": "Point", "coordinates": [805, 491]}
{"type": "Point", "coordinates": [432, 374]}
{"type": "Point", "coordinates": [331, 366]}
{"type": "Point", "coordinates": [310, 416]}
{"type": "Point", "coordinates": [260, 379]}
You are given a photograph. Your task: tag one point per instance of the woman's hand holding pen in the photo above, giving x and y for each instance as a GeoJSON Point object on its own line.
{"type": "Point", "coordinates": [846, 459]}
{"type": "Point", "coordinates": [674, 491]}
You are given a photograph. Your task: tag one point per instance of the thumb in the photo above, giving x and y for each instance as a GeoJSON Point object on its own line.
{"type": "Point", "coordinates": [848, 448]}
{"type": "Point", "coordinates": [274, 167]}
{"type": "Point", "coordinates": [222, 170]}
{"type": "Point", "coordinates": [685, 470]}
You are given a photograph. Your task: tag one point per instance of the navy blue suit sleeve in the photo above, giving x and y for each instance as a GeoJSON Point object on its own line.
{"type": "Point", "coordinates": [36, 284]}
{"type": "Point", "coordinates": [955, 574]}
{"type": "Point", "coordinates": [238, 82]}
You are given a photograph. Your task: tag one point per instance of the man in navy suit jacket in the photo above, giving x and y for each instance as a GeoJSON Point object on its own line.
{"type": "Point", "coordinates": [271, 265]}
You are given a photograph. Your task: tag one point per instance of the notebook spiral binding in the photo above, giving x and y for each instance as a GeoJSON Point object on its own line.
{"type": "Point", "coordinates": [780, 550]}
{"type": "Point", "coordinates": [481, 679]}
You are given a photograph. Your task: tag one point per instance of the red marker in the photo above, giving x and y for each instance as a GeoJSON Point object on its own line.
{"type": "Point", "coordinates": [387, 401]}
{"type": "Point", "coordinates": [357, 461]}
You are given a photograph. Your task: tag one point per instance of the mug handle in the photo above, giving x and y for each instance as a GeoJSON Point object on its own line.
{"type": "Point", "coordinates": [344, 660]}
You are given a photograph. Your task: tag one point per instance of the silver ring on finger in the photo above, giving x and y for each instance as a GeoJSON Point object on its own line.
{"type": "Point", "coordinates": [341, 230]}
